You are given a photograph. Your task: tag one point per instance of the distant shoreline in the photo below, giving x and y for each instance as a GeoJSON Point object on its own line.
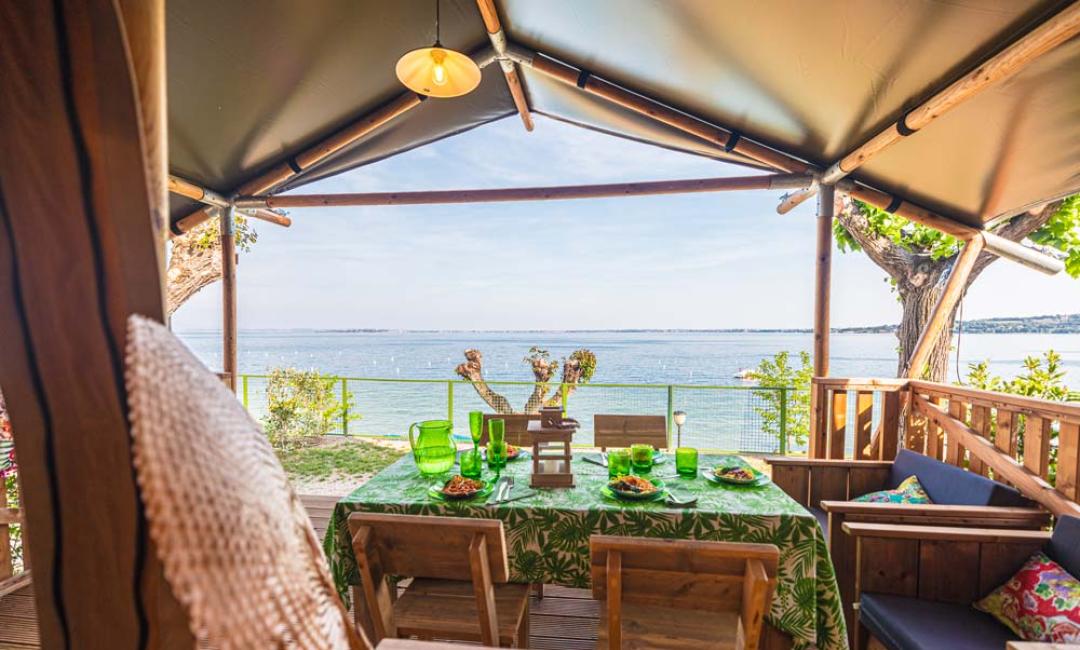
{"type": "Point", "coordinates": [1049, 324]}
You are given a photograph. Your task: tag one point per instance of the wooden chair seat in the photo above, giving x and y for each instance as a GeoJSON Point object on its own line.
{"type": "Point", "coordinates": [667, 628]}
{"type": "Point", "coordinates": [18, 618]}
{"type": "Point", "coordinates": [446, 609]}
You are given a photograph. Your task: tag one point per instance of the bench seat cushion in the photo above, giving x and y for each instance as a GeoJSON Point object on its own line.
{"type": "Point", "coordinates": [950, 485]}
{"type": "Point", "coordinates": [902, 623]}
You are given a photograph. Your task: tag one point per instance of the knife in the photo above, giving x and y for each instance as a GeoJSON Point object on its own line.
{"type": "Point", "coordinates": [525, 495]}
{"type": "Point", "coordinates": [602, 461]}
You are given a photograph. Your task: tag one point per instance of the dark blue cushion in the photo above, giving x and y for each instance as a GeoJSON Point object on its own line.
{"type": "Point", "coordinates": [1064, 545]}
{"type": "Point", "coordinates": [822, 519]}
{"type": "Point", "coordinates": [950, 485]}
{"type": "Point", "coordinates": [911, 624]}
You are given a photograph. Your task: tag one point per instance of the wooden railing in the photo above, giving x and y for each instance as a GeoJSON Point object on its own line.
{"type": "Point", "coordinates": [846, 410]}
{"type": "Point", "coordinates": [1032, 444]}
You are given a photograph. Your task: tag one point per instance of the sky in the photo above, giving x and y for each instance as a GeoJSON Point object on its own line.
{"type": "Point", "coordinates": [695, 261]}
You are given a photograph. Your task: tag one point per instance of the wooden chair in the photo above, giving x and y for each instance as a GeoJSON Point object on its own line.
{"type": "Point", "coordinates": [626, 430]}
{"type": "Point", "coordinates": [517, 427]}
{"type": "Point", "coordinates": [666, 593]}
{"type": "Point", "coordinates": [459, 569]}
{"type": "Point", "coordinates": [18, 622]}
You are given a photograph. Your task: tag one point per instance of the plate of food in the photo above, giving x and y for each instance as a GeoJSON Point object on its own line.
{"type": "Point", "coordinates": [459, 488]}
{"type": "Point", "coordinates": [735, 474]}
{"type": "Point", "coordinates": [513, 453]}
{"type": "Point", "coordinates": [634, 488]}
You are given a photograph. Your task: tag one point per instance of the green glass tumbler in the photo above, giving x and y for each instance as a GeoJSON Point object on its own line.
{"type": "Point", "coordinates": [497, 430]}
{"type": "Point", "coordinates": [472, 463]}
{"type": "Point", "coordinates": [642, 457]}
{"type": "Point", "coordinates": [686, 462]}
{"type": "Point", "coordinates": [476, 425]}
{"type": "Point", "coordinates": [618, 462]}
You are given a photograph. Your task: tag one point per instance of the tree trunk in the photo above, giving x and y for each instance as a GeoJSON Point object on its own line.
{"type": "Point", "coordinates": [918, 304]}
{"type": "Point", "coordinates": [194, 262]}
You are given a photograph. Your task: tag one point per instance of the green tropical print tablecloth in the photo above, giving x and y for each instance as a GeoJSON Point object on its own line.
{"type": "Point", "coordinates": [548, 534]}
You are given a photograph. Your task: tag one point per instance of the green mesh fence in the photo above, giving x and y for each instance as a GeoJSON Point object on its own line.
{"type": "Point", "coordinates": [737, 418]}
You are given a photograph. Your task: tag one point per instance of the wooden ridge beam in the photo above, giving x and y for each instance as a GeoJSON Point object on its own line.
{"type": "Point", "coordinates": [498, 41]}
{"type": "Point", "coordinates": [194, 191]}
{"type": "Point", "coordinates": [654, 109]}
{"type": "Point", "coordinates": [1030, 484]}
{"type": "Point", "coordinates": [733, 183]}
{"type": "Point", "coordinates": [940, 316]}
{"type": "Point", "coordinates": [1052, 32]}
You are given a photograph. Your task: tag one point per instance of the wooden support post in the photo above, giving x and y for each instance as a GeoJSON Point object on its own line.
{"type": "Point", "coordinates": [954, 290]}
{"type": "Point", "coordinates": [228, 296]}
{"type": "Point", "coordinates": [1051, 33]}
{"type": "Point", "coordinates": [647, 188]}
{"type": "Point", "coordinates": [822, 280]}
{"type": "Point", "coordinates": [81, 92]}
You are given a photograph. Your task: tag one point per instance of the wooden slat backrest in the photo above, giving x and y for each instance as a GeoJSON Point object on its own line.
{"type": "Point", "coordinates": [517, 426]}
{"type": "Point", "coordinates": [431, 547]}
{"type": "Point", "coordinates": [626, 430]}
{"type": "Point", "coordinates": [684, 574]}
{"type": "Point", "coordinates": [8, 516]}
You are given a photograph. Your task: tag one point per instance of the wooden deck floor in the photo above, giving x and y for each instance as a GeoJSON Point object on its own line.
{"type": "Point", "coordinates": [565, 618]}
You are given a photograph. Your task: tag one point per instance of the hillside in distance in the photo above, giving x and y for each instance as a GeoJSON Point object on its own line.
{"type": "Point", "coordinates": [1048, 324]}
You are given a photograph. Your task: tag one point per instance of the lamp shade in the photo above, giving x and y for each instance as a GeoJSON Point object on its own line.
{"type": "Point", "coordinates": [438, 72]}
{"type": "Point", "coordinates": [679, 417]}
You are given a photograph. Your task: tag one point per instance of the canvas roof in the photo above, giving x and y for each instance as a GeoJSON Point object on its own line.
{"type": "Point", "coordinates": [252, 82]}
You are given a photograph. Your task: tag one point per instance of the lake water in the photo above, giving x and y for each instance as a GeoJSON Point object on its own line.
{"type": "Point", "coordinates": [728, 419]}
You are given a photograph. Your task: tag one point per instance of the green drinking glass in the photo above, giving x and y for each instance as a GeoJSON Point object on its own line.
{"type": "Point", "coordinates": [476, 425]}
{"type": "Point", "coordinates": [472, 463]}
{"type": "Point", "coordinates": [497, 430]}
{"type": "Point", "coordinates": [642, 457]}
{"type": "Point", "coordinates": [618, 462]}
{"type": "Point", "coordinates": [496, 454]}
{"type": "Point", "coordinates": [686, 462]}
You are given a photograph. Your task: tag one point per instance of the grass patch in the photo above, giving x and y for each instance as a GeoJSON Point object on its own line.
{"type": "Point", "coordinates": [345, 459]}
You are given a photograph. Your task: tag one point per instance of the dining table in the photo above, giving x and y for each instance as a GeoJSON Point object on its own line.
{"type": "Point", "coordinates": [548, 531]}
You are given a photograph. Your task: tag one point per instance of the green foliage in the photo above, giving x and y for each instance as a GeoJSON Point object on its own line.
{"type": "Point", "coordinates": [1043, 377]}
{"type": "Point", "coordinates": [11, 500]}
{"type": "Point", "coordinates": [303, 405]}
{"type": "Point", "coordinates": [1061, 232]}
{"type": "Point", "coordinates": [349, 458]}
{"type": "Point", "coordinates": [587, 361]}
{"type": "Point", "coordinates": [779, 372]}
{"type": "Point", "coordinates": [209, 233]}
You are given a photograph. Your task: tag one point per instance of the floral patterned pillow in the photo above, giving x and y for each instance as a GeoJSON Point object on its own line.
{"type": "Point", "coordinates": [910, 491]}
{"type": "Point", "coordinates": [1040, 603]}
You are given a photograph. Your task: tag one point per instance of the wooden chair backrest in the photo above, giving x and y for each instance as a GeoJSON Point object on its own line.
{"type": "Point", "coordinates": [8, 516]}
{"type": "Point", "coordinates": [626, 430]}
{"type": "Point", "coordinates": [684, 574]}
{"type": "Point", "coordinates": [451, 548]}
{"type": "Point", "coordinates": [517, 427]}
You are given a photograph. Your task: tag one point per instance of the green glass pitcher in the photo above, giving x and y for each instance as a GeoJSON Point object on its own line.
{"type": "Point", "coordinates": [433, 448]}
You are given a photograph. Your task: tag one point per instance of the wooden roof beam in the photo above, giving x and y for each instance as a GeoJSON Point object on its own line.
{"type": "Point", "coordinates": [1040, 40]}
{"type": "Point", "coordinates": [498, 41]}
{"type": "Point", "coordinates": [194, 191]}
{"type": "Point", "coordinates": [731, 183]}
{"type": "Point", "coordinates": [644, 105]}
{"type": "Point", "coordinates": [287, 169]}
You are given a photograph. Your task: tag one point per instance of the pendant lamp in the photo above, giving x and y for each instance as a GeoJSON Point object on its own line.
{"type": "Point", "coordinates": [437, 71]}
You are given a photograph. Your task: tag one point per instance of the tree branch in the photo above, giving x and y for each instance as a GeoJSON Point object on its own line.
{"type": "Point", "coordinates": [891, 257]}
{"type": "Point", "coordinates": [473, 371]}
{"type": "Point", "coordinates": [194, 262]}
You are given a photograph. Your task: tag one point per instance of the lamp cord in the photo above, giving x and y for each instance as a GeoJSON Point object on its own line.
{"type": "Point", "coordinates": [438, 5]}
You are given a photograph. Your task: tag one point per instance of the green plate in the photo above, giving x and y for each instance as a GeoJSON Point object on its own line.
{"type": "Point", "coordinates": [623, 496]}
{"type": "Point", "coordinates": [759, 478]}
{"type": "Point", "coordinates": [435, 492]}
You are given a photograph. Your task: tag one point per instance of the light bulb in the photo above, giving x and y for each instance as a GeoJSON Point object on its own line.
{"type": "Point", "coordinates": [438, 70]}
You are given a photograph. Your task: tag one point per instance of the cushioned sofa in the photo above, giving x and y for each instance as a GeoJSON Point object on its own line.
{"type": "Point", "coordinates": [960, 499]}
{"type": "Point", "coordinates": [916, 585]}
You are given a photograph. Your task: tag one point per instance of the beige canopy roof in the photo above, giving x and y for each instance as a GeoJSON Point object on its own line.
{"type": "Point", "coordinates": [254, 82]}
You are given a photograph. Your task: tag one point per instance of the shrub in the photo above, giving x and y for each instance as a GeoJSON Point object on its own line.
{"type": "Point", "coordinates": [779, 372]}
{"type": "Point", "coordinates": [303, 406]}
